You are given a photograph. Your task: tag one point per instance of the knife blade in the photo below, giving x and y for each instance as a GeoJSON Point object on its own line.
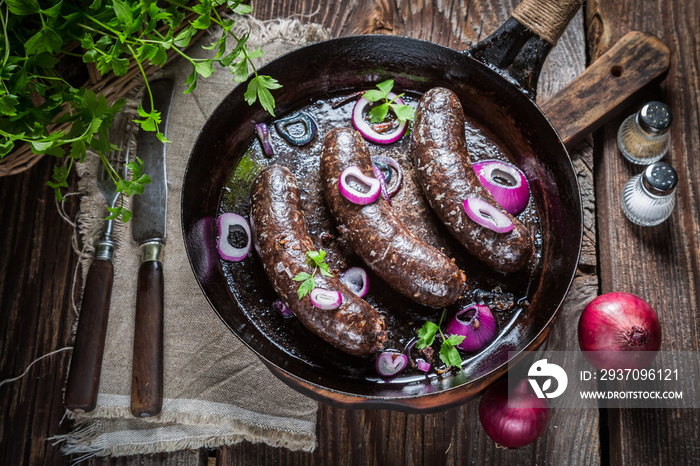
{"type": "Point", "coordinates": [149, 230]}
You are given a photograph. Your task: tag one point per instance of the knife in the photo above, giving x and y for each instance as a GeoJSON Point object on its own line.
{"type": "Point", "coordinates": [148, 229]}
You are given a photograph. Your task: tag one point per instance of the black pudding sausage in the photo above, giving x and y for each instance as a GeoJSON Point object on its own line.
{"type": "Point", "coordinates": [405, 262]}
{"type": "Point", "coordinates": [282, 241]}
{"type": "Point", "coordinates": [439, 151]}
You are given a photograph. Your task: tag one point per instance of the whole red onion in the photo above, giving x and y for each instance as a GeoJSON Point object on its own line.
{"type": "Point", "coordinates": [619, 331]}
{"type": "Point", "coordinates": [516, 419]}
{"type": "Point", "coordinates": [476, 324]}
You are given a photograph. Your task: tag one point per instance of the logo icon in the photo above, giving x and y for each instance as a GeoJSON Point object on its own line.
{"type": "Point", "coordinates": [551, 371]}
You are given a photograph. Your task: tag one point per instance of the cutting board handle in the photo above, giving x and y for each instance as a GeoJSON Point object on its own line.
{"type": "Point", "coordinates": [606, 86]}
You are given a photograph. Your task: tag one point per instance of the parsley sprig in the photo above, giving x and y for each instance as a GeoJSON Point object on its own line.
{"type": "Point", "coordinates": [379, 112]}
{"type": "Point", "coordinates": [112, 34]}
{"type": "Point", "coordinates": [316, 260]}
{"type": "Point", "coordinates": [128, 187]}
{"type": "Point", "coordinates": [448, 351]}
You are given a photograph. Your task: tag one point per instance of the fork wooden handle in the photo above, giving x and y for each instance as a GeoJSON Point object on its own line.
{"type": "Point", "coordinates": [86, 361]}
{"type": "Point", "coordinates": [147, 378]}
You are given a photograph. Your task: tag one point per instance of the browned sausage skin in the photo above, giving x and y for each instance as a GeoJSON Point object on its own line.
{"type": "Point", "coordinates": [446, 175]}
{"type": "Point", "coordinates": [409, 265]}
{"type": "Point", "coordinates": [281, 239]}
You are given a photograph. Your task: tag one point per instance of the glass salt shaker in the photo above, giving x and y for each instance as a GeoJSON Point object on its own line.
{"type": "Point", "coordinates": [648, 198]}
{"type": "Point", "coordinates": [644, 138]}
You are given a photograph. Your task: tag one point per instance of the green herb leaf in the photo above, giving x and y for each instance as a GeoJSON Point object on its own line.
{"type": "Point", "coordinates": [23, 7]}
{"type": "Point", "coordinates": [448, 351]}
{"type": "Point", "coordinates": [86, 41]}
{"type": "Point", "coordinates": [378, 113]}
{"type": "Point", "coordinates": [120, 66]}
{"type": "Point", "coordinates": [8, 104]}
{"type": "Point", "coordinates": [455, 340]}
{"type": "Point", "coordinates": [40, 147]}
{"type": "Point", "coordinates": [54, 11]}
{"type": "Point", "coordinates": [6, 146]}
{"type": "Point", "coordinates": [192, 82]}
{"type": "Point", "coordinates": [301, 276]}
{"type": "Point", "coordinates": [242, 9]}
{"type": "Point", "coordinates": [259, 88]}
{"type": "Point", "coordinates": [204, 68]}
{"type": "Point", "coordinates": [374, 95]}
{"type": "Point", "coordinates": [449, 355]}
{"type": "Point", "coordinates": [316, 257]}
{"type": "Point", "coordinates": [316, 260]}
{"type": "Point", "coordinates": [160, 57]}
{"type": "Point", "coordinates": [150, 121]}
{"type": "Point", "coordinates": [77, 150]}
{"type": "Point", "coordinates": [325, 271]}
{"type": "Point", "coordinates": [126, 215]}
{"type": "Point", "coordinates": [426, 335]}
{"type": "Point", "coordinates": [403, 112]}
{"type": "Point", "coordinates": [184, 37]}
{"type": "Point", "coordinates": [240, 71]}
{"type": "Point", "coordinates": [306, 287]}
{"type": "Point", "coordinates": [386, 86]}
{"type": "Point", "coordinates": [123, 12]}
{"type": "Point", "coordinates": [46, 40]}
{"type": "Point", "coordinates": [257, 53]}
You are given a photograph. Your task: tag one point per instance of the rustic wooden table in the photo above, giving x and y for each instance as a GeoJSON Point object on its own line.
{"type": "Point", "coordinates": [660, 264]}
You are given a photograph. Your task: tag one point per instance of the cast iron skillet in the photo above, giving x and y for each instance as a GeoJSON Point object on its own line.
{"type": "Point", "coordinates": [497, 79]}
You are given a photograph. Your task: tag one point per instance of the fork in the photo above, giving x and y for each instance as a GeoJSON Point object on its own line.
{"type": "Point", "coordinates": [86, 363]}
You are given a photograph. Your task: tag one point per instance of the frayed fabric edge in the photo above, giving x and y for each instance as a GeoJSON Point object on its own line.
{"type": "Point", "coordinates": [89, 439]}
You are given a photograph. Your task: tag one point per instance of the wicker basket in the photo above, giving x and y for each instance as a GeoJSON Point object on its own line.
{"type": "Point", "coordinates": [111, 86]}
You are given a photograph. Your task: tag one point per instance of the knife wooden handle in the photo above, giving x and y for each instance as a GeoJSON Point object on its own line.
{"type": "Point", "coordinates": [147, 376]}
{"type": "Point", "coordinates": [86, 361]}
{"type": "Point", "coordinates": [606, 86]}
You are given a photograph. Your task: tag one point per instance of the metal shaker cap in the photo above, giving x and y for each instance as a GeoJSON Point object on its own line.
{"type": "Point", "coordinates": [655, 118]}
{"type": "Point", "coordinates": [660, 179]}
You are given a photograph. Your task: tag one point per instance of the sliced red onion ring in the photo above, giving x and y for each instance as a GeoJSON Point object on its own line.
{"type": "Point", "coordinates": [378, 174]}
{"type": "Point", "coordinates": [355, 196]}
{"type": "Point", "coordinates": [355, 278]}
{"type": "Point", "coordinates": [389, 364]}
{"type": "Point", "coordinates": [282, 309]}
{"type": "Point", "coordinates": [263, 132]}
{"type": "Point", "coordinates": [487, 215]}
{"type": "Point", "coordinates": [325, 299]}
{"type": "Point", "coordinates": [227, 252]}
{"type": "Point", "coordinates": [506, 183]}
{"type": "Point", "coordinates": [476, 324]}
{"type": "Point", "coordinates": [423, 365]}
{"type": "Point", "coordinates": [361, 125]}
{"type": "Point", "coordinates": [395, 182]}
{"type": "Point", "coordinates": [298, 139]}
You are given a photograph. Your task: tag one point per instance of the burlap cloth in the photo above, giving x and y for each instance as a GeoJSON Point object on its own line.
{"type": "Point", "coordinates": [216, 391]}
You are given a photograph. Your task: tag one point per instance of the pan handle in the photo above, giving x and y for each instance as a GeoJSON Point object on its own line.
{"type": "Point", "coordinates": [518, 49]}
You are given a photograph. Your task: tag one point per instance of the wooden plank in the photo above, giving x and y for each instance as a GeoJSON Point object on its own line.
{"type": "Point", "coordinates": [660, 264]}
{"type": "Point", "coordinates": [452, 437]}
{"type": "Point", "coordinates": [36, 266]}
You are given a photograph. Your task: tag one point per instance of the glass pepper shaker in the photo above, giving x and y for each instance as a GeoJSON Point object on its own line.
{"type": "Point", "coordinates": [644, 138]}
{"type": "Point", "coordinates": [648, 198]}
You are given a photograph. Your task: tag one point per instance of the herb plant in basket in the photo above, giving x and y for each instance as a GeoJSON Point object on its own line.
{"type": "Point", "coordinates": [45, 108]}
